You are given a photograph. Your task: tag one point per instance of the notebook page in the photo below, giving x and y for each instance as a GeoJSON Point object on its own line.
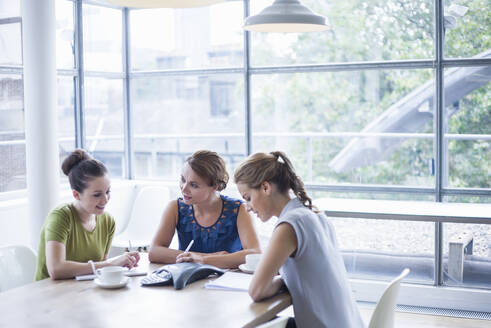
{"type": "Point", "coordinates": [235, 281]}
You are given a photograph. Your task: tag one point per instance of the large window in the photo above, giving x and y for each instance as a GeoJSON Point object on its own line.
{"type": "Point", "coordinates": [467, 139]}
{"type": "Point", "coordinates": [359, 31]}
{"type": "Point", "coordinates": [104, 122]}
{"type": "Point", "coordinates": [12, 145]}
{"type": "Point", "coordinates": [193, 98]}
{"type": "Point", "coordinates": [102, 39]}
{"type": "Point", "coordinates": [349, 127]}
{"type": "Point", "coordinates": [368, 109]}
{"type": "Point", "coordinates": [187, 38]}
{"type": "Point", "coordinates": [173, 116]}
{"type": "Point", "coordinates": [355, 107]}
{"type": "Point", "coordinates": [468, 28]}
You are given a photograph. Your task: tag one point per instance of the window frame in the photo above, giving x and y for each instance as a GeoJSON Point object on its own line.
{"type": "Point", "coordinates": [439, 63]}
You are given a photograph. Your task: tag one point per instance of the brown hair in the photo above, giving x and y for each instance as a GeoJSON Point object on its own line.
{"type": "Point", "coordinates": [81, 168]}
{"type": "Point", "coordinates": [276, 168]}
{"type": "Point", "coordinates": [209, 165]}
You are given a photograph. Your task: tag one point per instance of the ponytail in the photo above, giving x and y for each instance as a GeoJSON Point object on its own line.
{"type": "Point", "coordinates": [276, 168]}
{"type": "Point", "coordinates": [294, 182]}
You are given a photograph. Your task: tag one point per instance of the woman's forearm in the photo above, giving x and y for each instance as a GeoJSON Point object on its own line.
{"type": "Point", "coordinates": [259, 292]}
{"type": "Point", "coordinates": [70, 269]}
{"type": "Point", "coordinates": [161, 254]}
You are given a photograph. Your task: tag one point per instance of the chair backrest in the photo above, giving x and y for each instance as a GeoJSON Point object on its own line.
{"type": "Point", "coordinates": [279, 322]}
{"type": "Point", "coordinates": [146, 212]}
{"type": "Point", "coordinates": [17, 266]}
{"type": "Point", "coordinates": [383, 316]}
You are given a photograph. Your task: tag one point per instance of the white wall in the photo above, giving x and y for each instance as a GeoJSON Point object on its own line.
{"type": "Point", "coordinates": [14, 223]}
{"type": "Point", "coordinates": [14, 217]}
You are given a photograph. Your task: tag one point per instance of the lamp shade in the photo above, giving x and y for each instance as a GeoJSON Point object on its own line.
{"type": "Point", "coordinates": [286, 16]}
{"type": "Point", "coordinates": [163, 3]}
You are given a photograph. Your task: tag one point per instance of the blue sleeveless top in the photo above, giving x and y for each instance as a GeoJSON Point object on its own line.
{"type": "Point", "coordinates": [221, 236]}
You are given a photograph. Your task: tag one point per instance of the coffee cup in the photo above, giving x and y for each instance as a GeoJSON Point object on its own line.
{"type": "Point", "coordinates": [252, 260]}
{"type": "Point", "coordinates": [110, 274]}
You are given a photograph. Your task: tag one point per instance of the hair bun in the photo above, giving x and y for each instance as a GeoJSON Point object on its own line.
{"type": "Point", "coordinates": [77, 156]}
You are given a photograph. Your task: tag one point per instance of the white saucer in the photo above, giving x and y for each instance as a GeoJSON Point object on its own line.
{"type": "Point", "coordinates": [245, 269]}
{"type": "Point", "coordinates": [120, 284]}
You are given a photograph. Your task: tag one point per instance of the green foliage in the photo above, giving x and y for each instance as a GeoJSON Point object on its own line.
{"type": "Point", "coordinates": [373, 30]}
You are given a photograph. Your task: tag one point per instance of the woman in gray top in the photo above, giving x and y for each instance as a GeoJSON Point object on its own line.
{"type": "Point", "coordinates": [302, 247]}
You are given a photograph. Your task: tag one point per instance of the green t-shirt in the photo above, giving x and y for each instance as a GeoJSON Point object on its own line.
{"type": "Point", "coordinates": [63, 225]}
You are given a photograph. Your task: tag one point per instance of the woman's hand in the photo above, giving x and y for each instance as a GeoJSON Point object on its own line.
{"type": "Point", "coordinates": [190, 257]}
{"type": "Point", "coordinates": [128, 259]}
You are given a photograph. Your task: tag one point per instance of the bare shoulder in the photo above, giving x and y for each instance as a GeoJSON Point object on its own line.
{"type": "Point", "coordinates": [242, 209]}
{"type": "Point", "coordinates": [172, 205]}
{"type": "Point", "coordinates": [171, 211]}
{"type": "Point", "coordinates": [285, 228]}
{"type": "Point", "coordinates": [285, 238]}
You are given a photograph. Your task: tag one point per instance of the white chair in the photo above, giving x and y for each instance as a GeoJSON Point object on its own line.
{"type": "Point", "coordinates": [17, 266]}
{"type": "Point", "coordinates": [144, 220]}
{"type": "Point", "coordinates": [279, 322]}
{"type": "Point", "coordinates": [383, 315]}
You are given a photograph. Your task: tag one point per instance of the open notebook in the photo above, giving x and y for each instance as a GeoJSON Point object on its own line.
{"type": "Point", "coordinates": [234, 281]}
{"type": "Point", "coordinates": [130, 273]}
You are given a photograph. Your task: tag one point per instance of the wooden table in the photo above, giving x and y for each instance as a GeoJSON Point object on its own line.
{"type": "Point", "coordinates": [71, 303]}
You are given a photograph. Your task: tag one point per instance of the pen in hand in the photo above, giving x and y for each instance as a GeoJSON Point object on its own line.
{"type": "Point", "coordinates": [181, 258]}
{"type": "Point", "coordinates": [189, 246]}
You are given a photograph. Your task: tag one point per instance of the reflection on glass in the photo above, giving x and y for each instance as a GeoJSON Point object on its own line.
{"type": "Point", "coordinates": [104, 122]}
{"type": "Point", "coordinates": [392, 245]}
{"type": "Point", "coordinates": [467, 143]}
{"type": "Point", "coordinates": [469, 163]}
{"type": "Point", "coordinates": [12, 145]}
{"type": "Point", "coordinates": [467, 199]}
{"type": "Point", "coordinates": [370, 127]}
{"type": "Point", "coordinates": [467, 255]}
{"type": "Point", "coordinates": [66, 113]}
{"type": "Point", "coordinates": [467, 33]}
{"type": "Point", "coordinates": [359, 31]}
{"type": "Point", "coordinates": [11, 107]}
{"type": "Point", "coordinates": [369, 195]}
{"type": "Point", "coordinates": [66, 119]}
{"type": "Point", "coordinates": [10, 44]}
{"type": "Point", "coordinates": [64, 34]}
{"type": "Point", "coordinates": [175, 116]}
{"type": "Point", "coordinates": [102, 39]}
{"type": "Point", "coordinates": [165, 39]}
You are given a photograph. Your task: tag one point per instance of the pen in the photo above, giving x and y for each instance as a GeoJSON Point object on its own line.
{"type": "Point", "coordinates": [189, 246]}
{"type": "Point", "coordinates": [129, 243]}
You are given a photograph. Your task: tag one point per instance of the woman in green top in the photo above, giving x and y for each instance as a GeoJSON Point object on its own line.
{"type": "Point", "coordinates": [80, 231]}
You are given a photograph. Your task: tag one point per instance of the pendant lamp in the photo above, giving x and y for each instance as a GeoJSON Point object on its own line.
{"type": "Point", "coordinates": [286, 16]}
{"type": "Point", "coordinates": [163, 3]}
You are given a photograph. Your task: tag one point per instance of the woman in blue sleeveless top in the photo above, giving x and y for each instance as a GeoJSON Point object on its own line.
{"type": "Point", "coordinates": [219, 226]}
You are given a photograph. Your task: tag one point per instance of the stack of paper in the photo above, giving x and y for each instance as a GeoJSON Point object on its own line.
{"type": "Point", "coordinates": [231, 281]}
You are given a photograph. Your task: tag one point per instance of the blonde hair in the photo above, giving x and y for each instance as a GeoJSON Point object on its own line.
{"type": "Point", "coordinates": [276, 168]}
{"type": "Point", "coordinates": [209, 165]}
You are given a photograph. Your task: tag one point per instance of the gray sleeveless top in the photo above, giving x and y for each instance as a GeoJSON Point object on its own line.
{"type": "Point", "coordinates": [316, 276]}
